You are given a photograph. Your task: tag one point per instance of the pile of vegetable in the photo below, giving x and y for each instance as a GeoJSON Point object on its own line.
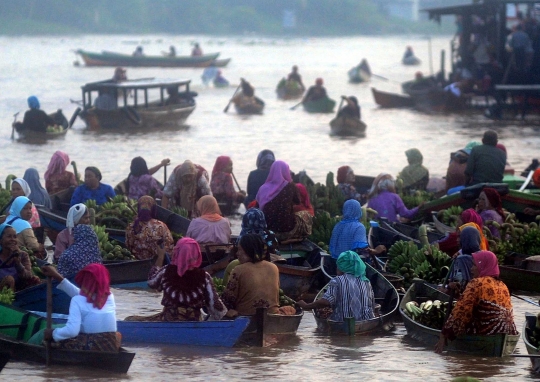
{"type": "Point", "coordinates": [117, 213]}
{"type": "Point", "coordinates": [414, 200]}
{"type": "Point", "coordinates": [429, 313]}
{"type": "Point", "coordinates": [218, 283]}
{"type": "Point", "coordinates": [7, 296]}
{"type": "Point", "coordinates": [33, 260]}
{"type": "Point", "coordinates": [326, 197]}
{"type": "Point", "coordinates": [450, 215]}
{"type": "Point", "coordinates": [428, 263]}
{"type": "Point", "coordinates": [5, 197]}
{"type": "Point", "coordinates": [110, 250]}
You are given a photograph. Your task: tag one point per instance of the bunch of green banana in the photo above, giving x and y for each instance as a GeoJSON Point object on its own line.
{"type": "Point", "coordinates": [414, 200]}
{"type": "Point", "coordinates": [218, 283]}
{"type": "Point", "coordinates": [450, 215]}
{"type": "Point", "coordinates": [284, 300]}
{"type": "Point", "coordinates": [7, 296]}
{"type": "Point", "coordinates": [516, 237]}
{"type": "Point", "coordinates": [176, 236]}
{"type": "Point", "coordinates": [103, 237]}
{"type": "Point", "coordinates": [91, 203]}
{"type": "Point", "coordinates": [5, 197]}
{"type": "Point", "coordinates": [429, 313]}
{"type": "Point", "coordinates": [321, 231]}
{"type": "Point", "coordinates": [119, 253]}
{"type": "Point", "coordinates": [180, 211]}
{"type": "Point", "coordinates": [408, 273]}
{"type": "Point", "coordinates": [326, 197]}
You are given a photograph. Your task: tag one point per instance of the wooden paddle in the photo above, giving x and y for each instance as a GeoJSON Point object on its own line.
{"type": "Point", "coordinates": [13, 125]}
{"type": "Point", "coordinates": [49, 320]}
{"type": "Point", "coordinates": [75, 171]}
{"type": "Point", "coordinates": [235, 181]}
{"type": "Point", "coordinates": [229, 104]}
{"type": "Point", "coordinates": [165, 175]}
{"type": "Point", "coordinates": [525, 299]}
{"type": "Point", "coordinates": [341, 103]}
{"type": "Point", "coordinates": [298, 104]}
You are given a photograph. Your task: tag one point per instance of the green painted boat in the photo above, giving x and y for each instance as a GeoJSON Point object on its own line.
{"type": "Point", "coordinates": [497, 345]}
{"type": "Point", "coordinates": [323, 105]}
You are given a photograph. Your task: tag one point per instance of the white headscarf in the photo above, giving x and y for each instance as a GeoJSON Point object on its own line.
{"type": "Point", "coordinates": [75, 214]}
{"type": "Point", "coordinates": [24, 185]}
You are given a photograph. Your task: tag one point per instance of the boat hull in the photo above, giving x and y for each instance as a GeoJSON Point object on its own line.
{"type": "Point", "coordinates": [357, 75]}
{"type": "Point", "coordinates": [286, 93]}
{"type": "Point", "coordinates": [345, 126]}
{"type": "Point", "coordinates": [391, 100]}
{"type": "Point", "coordinates": [270, 329]}
{"type": "Point", "coordinates": [250, 108]}
{"type": "Point", "coordinates": [530, 322]}
{"type": "Point", "coordinates": [497, 345]}
{"type": "Point", "coordinates": [517, 278]}
{"type": "Point", "coordinates": [323, 105]}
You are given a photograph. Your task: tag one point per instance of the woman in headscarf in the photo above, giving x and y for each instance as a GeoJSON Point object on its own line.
{"type": "Point", "coordinates": [57, 178]}
{"type": "Point", "coordinates": [255, 281]}
{"type": "Point", "coordinates": [187, 184]}
{"type": "Point", "coordinates": [140, 181]}
{"type": "Point", "coordinates": [83, 251]}
{"type": "Point", "coordinates": [352, 109]}
{"type": "Point", "coordinates": [461, 271]}
{"type": "Point", "coordinates": [346, 180]}
{"type": "Point", "coordinates": [15, 266]}
{"type": "Point", "coordinates": [490, 208]}
{"type": "Point", "coordinates": [38, 194]}
{"type": "Point", "coordinates": [349, 294]}
{"type": "Point", "coordinates": [349, 234]}
{"type": "Point", "coordinates": [186, 288]}
{"type": "Point", "coordinates": [91, 323]}
{"type": "Point", "coordinates": [210, 227]}
{"type": "Point", "coordinates": [20, 187]}
{"type": "Point", "coordinates": [305, 203]}
{"type": "Point", "coordinates": [92, 188]}
{"type": "Point", "coordinates": [414, 176]}
{"type": "Point", "coordinates": [468, 218]}
{"type": "Point", "coordinates": [18, 218]}
{"type": "Point", "coordinates": [276, 199]}
{"type": "Point", "coordinates": [78, 214]}
{"type": "Point", "coordinates": [383, 198]}
{"type": "Point", "coordinates": [36, 119]}
{"type": "Point", "coordinates": [455, 174]}
{"type": "Point", "coordinates": [485, 308]}
{"type": "Point", "coordinates": [256, 178]}
{"type": "Point", "coordinates": [146, 233]}
{"type": "Point", "coordinates": [222, 183]}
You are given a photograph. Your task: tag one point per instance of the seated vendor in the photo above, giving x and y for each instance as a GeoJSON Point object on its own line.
{"type": "Point", "coordinates": [210, 226]}
{"type": "Point", "coordinates": [35, 119]}
{"type": "Point", "coordinates": [92, 188]}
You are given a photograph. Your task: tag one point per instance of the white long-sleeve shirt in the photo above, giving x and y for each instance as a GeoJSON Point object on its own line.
{"type": "Point", "coordinates": [83, 316]}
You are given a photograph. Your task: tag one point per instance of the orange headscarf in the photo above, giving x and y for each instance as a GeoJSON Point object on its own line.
{"type": "Point", "coordinates": [484, 246]}
{"type": "Point", "coordinates": [209, 209]}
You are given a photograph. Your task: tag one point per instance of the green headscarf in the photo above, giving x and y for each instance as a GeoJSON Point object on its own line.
{"type": "Point", "coordinates": [349, 262]}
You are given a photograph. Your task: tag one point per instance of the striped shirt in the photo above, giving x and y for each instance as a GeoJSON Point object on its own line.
{"type": "Point", "coordinates": [350, 297]}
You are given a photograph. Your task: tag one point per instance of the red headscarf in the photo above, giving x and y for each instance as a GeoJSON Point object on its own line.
{"type": "Point", "coordinates": [536, 177]}
{"type": "Point", "coordinates": [342, 173]}
{"type": "Point", "coordinates": [305, 203]}
{"type": "Point", "coordinates": [221, 162]}
{"type": "Point", "coordinates": [494, 200]}
{"type": "Point", "coordinates": [487, 264]}
{"type": "Point", "coordinates": [94, 281]}
{"type": "Point", "coordinates": [186, 255]}
{"type": "Point", "coordinates": [209, 209]}
{"type": "Point", "coordinates": [471, 216]}
{"type": "Point", "coordinates": [500, 146]}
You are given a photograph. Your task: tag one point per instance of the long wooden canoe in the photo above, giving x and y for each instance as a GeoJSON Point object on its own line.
{"type": "Point", "coordinates": [323, 105]}
{"type": "Point", "coordinates": [391, 100]}
{"type": "Point", "coordinates": [497, 345]}
{"type": "Point", "coordinates": [530, 323]}
{"type": "Point", "coordinates": [347, 126]}
{"type": "Point", "coordinates": [385, 295]}
{"type": "Point", "coordinates": [267, 329]}
{"type": "Point", "coordinates": [60, 120]}
{"type": "Point", "coordinates": [18, 325]}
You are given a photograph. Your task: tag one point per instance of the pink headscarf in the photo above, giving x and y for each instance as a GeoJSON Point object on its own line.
{"type": "Point", "coordinates": [186, 255]}
{"type": "Point", "coordinates": [278, 178]}
{"type": "Point", "coordinates": [221, 162]}
{"type": "Point", "coordinates": [57, 165]}
{"type": "Point", "coordinates": [487, 264]}
{"type": "Point", "coordinates": [94, 280]}
{"type": "Point", "coordinates": [471, 216]}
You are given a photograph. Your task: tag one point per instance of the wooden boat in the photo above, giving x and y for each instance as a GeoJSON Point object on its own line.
{"type": "Point", "coordinates": [267, 329]}
{"type": "Point", "coordinates": [63, 126]}
{"type": "Point", "coordinates": [386, 297]}
{"type": "Point", "coordinates": [411, 61]}
{"type": "Point", "coordinates": [119, 59]}
{"type": "Point", "coordinates": [346, 126]}
{"type": "Point", "coordinates": [530, 323]}
{"type": "Point", "coordinates": [497, 345]}
{"type": "Point", "coordinates": [409, 231]}
{"type": "Point", "coordinates": [250, 108]}
{"type": "Point", "coordinates": [144, 103]}
{"type": "Point", "coordinates": [4, 359]}
{"type": "Point", "coordinates": [518, 278]}
{"type": "Point", "coordinates": [323, 105]}
{"type": "Point", "coordinates": [391, 100]}
{"type": "Point", "coordinates": [357, 75]}
{"type": "Point", "coordinates": [18, 325]}
{"type": "Point", "coordinates": [440, 226]}
{"type": "Point", "coordinates": [285, 91]}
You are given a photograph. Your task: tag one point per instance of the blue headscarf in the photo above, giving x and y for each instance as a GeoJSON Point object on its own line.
{"type": "Point", "coordinates": [14, 218]}
{"type": "Point", "coordinates": [33, 102]}
{"type": "Point", "coordinates": [2, 228]}
{"type": "Point", "coordinates": [470, 240]}
{"type": "Point", "coordinates": [349, 233]}
{"type": "Point", "coordinates": [38, 194]}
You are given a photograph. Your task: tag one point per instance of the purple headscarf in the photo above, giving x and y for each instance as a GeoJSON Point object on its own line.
{"type": "Point", "coordinates": [277, 179]}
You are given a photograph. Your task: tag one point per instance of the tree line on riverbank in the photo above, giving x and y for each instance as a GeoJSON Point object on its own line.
{"type": "Point", "coordinates": [277, 17]}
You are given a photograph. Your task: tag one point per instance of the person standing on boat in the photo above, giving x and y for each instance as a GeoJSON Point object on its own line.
{"type": "Point", "coordinates": [78, 214]}
{"type": "Point", "coordinates": [210, 227]}
{"type": "Point", "coordinates": [349, 294]}
{"type": "Point", "coordinates": [486, 162]}
{"type": "Point", "coordinates": [222, 185]}
{"type": "Point", "coordinates": [187, 184]}
{"type": "Point", "coordinates": [352, 109]}
{"type": "Point", "coordinates": [57, 178]}
{"type": "Point", "coordinates": [35, 119]}
{"type": "Point", "coordinates": [256, 178]}
{"type": "Point", "coordinates": [140, 181]}
{"type": "Point", "coordinates": [91, 323]}
{"type": "Point", "coordinates": [196, 51]}
{"type": "Point", "coordinates": [146, 233]}
{"type": "Point", "coordinates": [485, 307]}
{"type": "Point", "coordinates": [315, 92]}
{"type": "Point", "coordinates": [296, 77]}
{"type": "Point", "coordinates": [414, 176]}
{"type": "Point", "coordinates": [92, 188]}
{"type": "Point", "coordinates": [186, 287]}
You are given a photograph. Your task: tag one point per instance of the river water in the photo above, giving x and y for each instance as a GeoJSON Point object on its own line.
{"type": "Point", "coordinates": [43, 66]}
